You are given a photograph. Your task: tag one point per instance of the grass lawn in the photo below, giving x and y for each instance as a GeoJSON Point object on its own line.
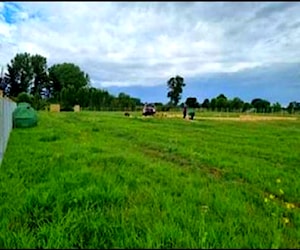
{"type": "Point", "coordinates": [103, 180]}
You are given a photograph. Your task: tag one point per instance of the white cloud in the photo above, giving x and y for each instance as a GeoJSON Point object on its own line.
{"type": "Point", "coordinates": [127, 44]}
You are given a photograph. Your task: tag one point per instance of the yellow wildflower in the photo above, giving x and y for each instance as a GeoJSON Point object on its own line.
{"type": "Point", "coordinates": [204, 209]}
{"type": "Point", "coordinates": [286, 220]}
{"type": "Point", "coordinates": [281, 191]}
{"type": "Point", "coordinates": [289, 205]}
{"type": "Point", "coordinates": [278, 180]}
{"type": "Point", "coordinates": [272, 196]}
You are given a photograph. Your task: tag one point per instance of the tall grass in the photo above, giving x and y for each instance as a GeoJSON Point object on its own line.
{"type": "Point", "coordinates": [102, 180]}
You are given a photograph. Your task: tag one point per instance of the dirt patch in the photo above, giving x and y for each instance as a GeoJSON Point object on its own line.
{"type": "Point", "coordinates": [249, 118]}
{"type": "Point", "coordinates": [173, 115]}
{"type": "Point", "coordinates": [215, 172]}
{"type": "Point", "coordinates": [182, 161]}
{"type": "Point", "coordinates": [265, 118]}
{"type": "Point", "coordinates": [219, 118]}
{"type": "Point", "coordinates": [240, 118]}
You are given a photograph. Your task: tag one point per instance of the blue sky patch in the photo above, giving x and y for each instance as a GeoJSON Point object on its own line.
{"type": "Point", "coordinates": [9, 12]}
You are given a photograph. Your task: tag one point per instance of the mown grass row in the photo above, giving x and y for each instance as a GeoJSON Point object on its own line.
{"type": "Point", "coordinates": [102, 180]}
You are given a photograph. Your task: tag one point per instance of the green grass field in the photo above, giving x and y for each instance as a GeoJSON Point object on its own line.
{"type": "Point", "coordinates": [103, 180]}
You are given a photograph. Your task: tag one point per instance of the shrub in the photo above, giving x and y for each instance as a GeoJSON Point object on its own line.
{"type": "Point", "coordinates": [24, 97]}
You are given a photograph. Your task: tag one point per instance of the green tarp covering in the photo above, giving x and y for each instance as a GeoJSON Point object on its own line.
{"type": "Point", "coordinates": [24, 116]}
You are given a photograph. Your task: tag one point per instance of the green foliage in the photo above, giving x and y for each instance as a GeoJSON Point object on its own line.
{"type": "Point", "coordinates": [175, 86]}
{"type": "Point", "coordinates": [137, 101]}
{"type": "Point", "coordinates": [221, 102]}
{"type": "Point", "coordinates": [40, 75]}
{"type": "Point", "coordinates": [206, 104]}
{"type": "Point", "coordinates": [101, 180]}
{"type": "Point", "coordinates": [235, 104]}
{"type": "Point", "coordinates": [24, 97]}
{"type": "Point", "coordinates": [68, 85]}
{"type": "Point", "coordinates": [159, 106]}
{"type": "Point", "coordinates": [26, 73]}
{"type": "Point", "coordinates": [192, 102]}
{"type": "Point", "coordinates": [68, 97]}
{"type": "Point", "coordinates": [166, 107]}
{"type": "Point", "coordinates": [276, 107]}
{"type": "Point", "coordinates": [213, 104]}
{"type": "Point", "coordinates": [125, 102]}
{"type": "Point", "coordinates": [247, 106]}
{"type": "Point", "coordinates": [39, 103]}
{"type": "Point", "coordinates": [20, 74]}
{"type": "Point", "coordinates": [68, 75]}
{"type": "Point", "coordinates": [293, 107]}
{"type": "Point", "coordinates": [66, 82]}
{"type": "Point", "coordinates": [261, 105]}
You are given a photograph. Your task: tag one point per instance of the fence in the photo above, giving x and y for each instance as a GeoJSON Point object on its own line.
{"type": "Point", "coordinates": [6, 109]}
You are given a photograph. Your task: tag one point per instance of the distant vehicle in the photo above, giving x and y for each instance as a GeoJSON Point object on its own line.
{"type": "Point", "coordinates": [149, 109]}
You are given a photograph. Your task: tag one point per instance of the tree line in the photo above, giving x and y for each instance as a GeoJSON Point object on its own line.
{"type": "Point", "coordinates": [222, 103]}
{"type": "Point", "coordinates": [28, 78]}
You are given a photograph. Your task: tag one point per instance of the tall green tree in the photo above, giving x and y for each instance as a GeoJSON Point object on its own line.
{"type": "Point", "coordinates": [40, 75]}
{"type": "Point", "coordinates": [261, 105]}
{"type": "Point", "coordinates": [276, 107]}
{"type": "Point", "coordinates": [84, 97]}
{"type": "Point", "coordinates": [221, 102]}
{"type": "Point", "coordinates": [175, 86]}
{"type": "Point", "coordinates": [69, 97]}
{"type": "Point", "coordinates": [126, 102]}
{"type": "Point", "coordinates": [247, 106]}
{"type": "Point", "coordinates": [206, 104]}
{"type": "Point", "coordinates": [20, 74]}
{"type": "Point", "coordinates": [192, 102]}
{"type": "Point", "coordinates": [213, 103]}
{"type": "Point", "coordinates": [26, 73]}
{"type": "Point", "coordinates": [65, 83]}
{"type": "Point", "coordinates": [293, 107]}
{"type": "Point", "coordinates": [236, 104]}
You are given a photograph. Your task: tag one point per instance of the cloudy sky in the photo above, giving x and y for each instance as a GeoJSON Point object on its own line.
{"type": "Point", "coordinates": [245, 49]}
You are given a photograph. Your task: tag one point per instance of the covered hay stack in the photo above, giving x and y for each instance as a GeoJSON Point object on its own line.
{"type": "Point", "coordinates": [76, 108]}
{"type": "Point", "coordinates": [54, 108]}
